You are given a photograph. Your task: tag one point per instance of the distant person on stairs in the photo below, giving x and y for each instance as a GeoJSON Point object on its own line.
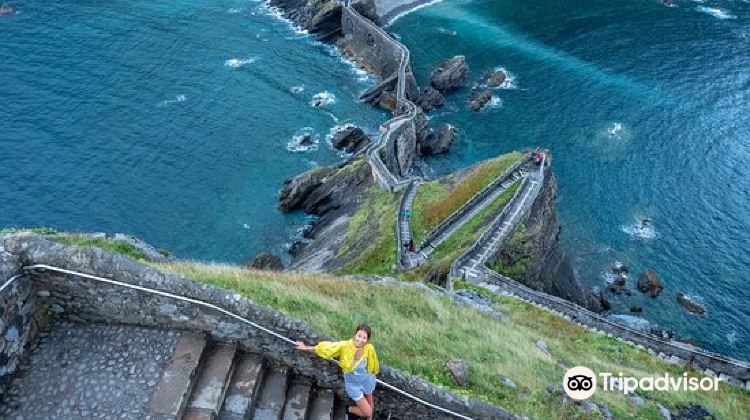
{"type": "Point", "coordinates": [359, 361]}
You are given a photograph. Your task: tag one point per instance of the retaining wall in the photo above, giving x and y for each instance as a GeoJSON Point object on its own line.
{"type": "Point", "coordinates": [21, 315]}
{"type": "Point", "coordinates": [84, 300]}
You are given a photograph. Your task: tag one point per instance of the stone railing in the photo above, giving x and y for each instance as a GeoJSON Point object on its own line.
{"type": "Point", "coordinates": [732, 371]}
{"type": "Point", "coordinates": [458, 265]}
{"type": "Point", "coordinates": [81, 299]}
{"type": "Point", "coordinates": [477, 198]}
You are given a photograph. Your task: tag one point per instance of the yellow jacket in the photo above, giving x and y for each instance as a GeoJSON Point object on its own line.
{"type": "Point", "coordinates": [344, 351]}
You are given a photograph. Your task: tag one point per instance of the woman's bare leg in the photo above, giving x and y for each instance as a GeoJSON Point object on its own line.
{"type": "Point", "coordinates": [363, 408]}
{"type": "Point", "coordinates": [370, 399]}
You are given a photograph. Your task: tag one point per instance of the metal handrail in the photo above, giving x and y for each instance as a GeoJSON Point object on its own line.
{"type": "Point", "coordinates": [216, 308]}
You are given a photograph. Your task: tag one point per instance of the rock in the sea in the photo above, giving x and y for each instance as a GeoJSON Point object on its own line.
{"type": "Point", "coordinates": [439, 142]}
{"type": "Point", "coordinates": [350, 139]}
{"type": "Point", "coordinates": [478, 101]}
{"type": "Point", "coordinates": [689, 304]}
{"type": "Point", "coordinates": [619, 268]}
{"type": "Point", "coordinates": [692, 412]}
{"type": "Point", "coordinates": [430, 99]}
{"type": "Point", "coordinates": [306, 140]}
{"type": "Point", "coordinates": [450, 74]}
{"type": "Point", "coordinates": [459, 370]}
{"type": "Point", "coordinates": [266, 261]}
{"type": "Point", "coordinates": [619, 286]}
{"type": "Point", "coordinates": [495, 79]}
{"type": "Point", "coordinates": [296, 247]}
{"type": "Point", "coordinates": [650, 283]}
{"type": "Point", "coordinates": [636, 308]}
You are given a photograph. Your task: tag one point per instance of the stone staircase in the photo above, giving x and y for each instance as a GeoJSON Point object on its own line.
{"type": "Point", "coordinates": [207, 380]}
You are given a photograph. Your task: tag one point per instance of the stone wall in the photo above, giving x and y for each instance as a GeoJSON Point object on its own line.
{"type": "Point", "coordinates": [79, 299]}
{"type": "Point", "coordinates": [20, 317]}
{"type": "Point", "coordinates": [373, 49]}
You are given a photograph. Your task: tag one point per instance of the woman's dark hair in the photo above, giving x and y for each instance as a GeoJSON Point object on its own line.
{"type": "Point", "coordinates": [366, 328]}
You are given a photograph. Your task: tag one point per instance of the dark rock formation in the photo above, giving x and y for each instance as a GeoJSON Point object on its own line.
{"type": "Point", "coordinates": [636, 309]}
{"type": "Point", "coordinates": [495, 79]}
{"type": "Point", "coordinates": [436, 276]}
{"type": "Point", "coordinates": [619, 269]}
{"type": "Point", "coordinates": [549, 268]}
{"type": "Point", "coordinates": [619, 286]}
{"type": "Point", "coordinates": [266, 261]}
{"type": "Point", "coordinates": [479, 100]}
{"type": "Point", "coordinates": [430, 99]}
{"type": "Point", "coordinates": [459, 370]}
{"type": "Point", "coordinates": [438, 142]}
{"type": "Point", "coordinates": [298, 189]}
{"type": "Point", "coordinates": [689, 304]}
{"type": "Point", "coordinates": [650, 283]}
{"type": "Point", "coordinates": [692, 412]}
{"type": "Point", "coordinates": [450, 74]}
{"type": "Point", "coordinates": [306, 140]}
{"type": "Point", "coordinates": [350, 139]}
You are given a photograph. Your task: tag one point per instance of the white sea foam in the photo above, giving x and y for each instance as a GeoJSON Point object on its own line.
{"type": "Point", "coordinates": [495, 102]}
{"type": "Point", "coordinates": [406, 12]}
{"type": "Point", "coordinates": [716, 12]}
{"type": "Point", "coordinates": [732, 338]}
{"type": "Point", "coordinates": [640, 229]}
{"type": "Point", "coordinates": [322, 99]}
{"type": "Point", "coordinates": [279, 14]}
{"type": "Point", "coordinates": [233, 10]}
{"type": "Point", "coordinates": [297, 89]}
{"type": "Point", "coordinates": [335, 129]}
{"type": "Point", "coordinates": [236, 63]}
{"type": "Point", "coordinates": [446, 31]}
{"type": "Point", "coordinates": [510, 79]}
{"type": "Point", "coordinates": [615, 130]}
{"type": "Point", "coordinates": [177, 98]}
{"type": "Point", "coordinates": [295, 144]}
{"type": "Point", "coordinates": [245, 226]}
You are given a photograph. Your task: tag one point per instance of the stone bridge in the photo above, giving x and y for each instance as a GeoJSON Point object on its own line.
{"type": "Point", "coordinates": [391, 157]}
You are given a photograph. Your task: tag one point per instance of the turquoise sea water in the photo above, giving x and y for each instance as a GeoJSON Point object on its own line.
{"type": "Point", "coordinates": [646, 110]}
{"type": "Point", "coordinates": [171, 120]}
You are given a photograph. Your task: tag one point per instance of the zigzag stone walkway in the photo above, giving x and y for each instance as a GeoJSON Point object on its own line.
{"type": "Point", "coordinates": [457, 219]}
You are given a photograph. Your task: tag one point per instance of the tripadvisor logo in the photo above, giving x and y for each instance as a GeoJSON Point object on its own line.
{"type": "Point", "coordinates": [580, 383]}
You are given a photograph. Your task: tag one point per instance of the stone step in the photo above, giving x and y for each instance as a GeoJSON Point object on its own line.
{"type": "Point", "coordinates": [321, 407]}
{"type": "Point", "coordinates": [242, 393]}
{"type": "Point", "coordinates": [272, 395]}
{"type": "Point", "coordinates": [339, 412]}
{"type": "Point", "coordinates": [176, 383]}
{"type": "Point", "coordinates": [297, 400]}
{"type": "Point", "coordinates": [211, 385]}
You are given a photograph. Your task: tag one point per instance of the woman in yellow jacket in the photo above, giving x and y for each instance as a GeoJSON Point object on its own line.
{"type": "Point", "coordinates": [359, 362]}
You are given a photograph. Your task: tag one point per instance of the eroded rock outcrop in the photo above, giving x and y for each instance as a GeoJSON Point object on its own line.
{"type": "Point", "coordinates": [690, 304]}
{"type": "Point", "coordinates": [495, 79]}
{"type": "Point", "coordinates": [439, 141]}
{"type": "Point", "coordinates": [480, 99]}
{"type": "Point", "coordinates": [266, 261]}
{"type": "Point", "coordinates": [649, 283]}
{"type": "Point", "coordinates": [546, 265]}
{"type": "Point", "coordinates": [429, 99]}
{"type": "Point", "coordinates": [450, 74]}
{"type": "Point", "coordinates": [350, 139]}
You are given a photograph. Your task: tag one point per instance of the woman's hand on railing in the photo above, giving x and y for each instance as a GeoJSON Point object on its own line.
{"type": "Point", "coordinates": [300, 345]}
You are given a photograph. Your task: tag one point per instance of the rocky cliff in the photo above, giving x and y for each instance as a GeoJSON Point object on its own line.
{"type": "Point", "coordinates": [535, 256]}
